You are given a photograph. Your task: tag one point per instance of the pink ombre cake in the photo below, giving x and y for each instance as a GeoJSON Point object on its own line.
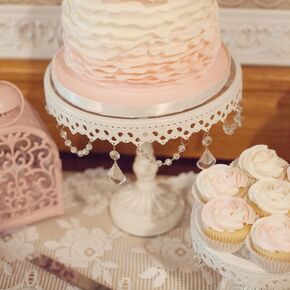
{"type": "Point", "coordinates": [149, 57]}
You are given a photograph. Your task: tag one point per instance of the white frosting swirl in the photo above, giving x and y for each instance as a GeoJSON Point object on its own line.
{"type": "Point", "coordinates": [220, 180]}
{"type": "Point", "coordinates": [259, 162]}
{"type": "Point", "coordinates": [288, 173]}
{"type": "Point", "coordinates": [141, 41]}
{"type": "Point", "coordinates": [271, 195]}
{"type": "Point", "coordinates": [272, 233]}
{"type": "Point", "coordinates": [227, 214]}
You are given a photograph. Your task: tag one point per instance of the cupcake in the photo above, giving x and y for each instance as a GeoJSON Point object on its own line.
{"type": "Point", "coordinates": [220, 180]}
{"type": "Point", "coordinates": [269, 243]}
{"type": "Point", "coordinates": [259, 162]}
{"type": "Point", "coordinates": [225, 223]}
{"type": "Point", "coordinates": [270, 196]}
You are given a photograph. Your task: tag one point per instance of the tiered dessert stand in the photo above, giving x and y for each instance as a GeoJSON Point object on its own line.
{"type": "Point", "coordinates": [146, 208]}
{"type": "Point", "coordinates": [237, 270]}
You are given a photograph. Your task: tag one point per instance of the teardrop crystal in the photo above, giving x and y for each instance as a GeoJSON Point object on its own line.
{"type": "Point", "coordinates": [238, 119]}
{"type": "Point", "coordinates": [206, 141]}
{"type": "Point", "coordinates": [206, 160]}
{"type": "Point", "coordinates": [116, 174]}
{"type": "Point", "coordinates": [229, 129]}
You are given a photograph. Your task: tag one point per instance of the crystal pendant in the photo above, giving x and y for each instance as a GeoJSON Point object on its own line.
{"type": "Point", "coordinates": [238, 119]}
{"type": "Point", "coordinates": [229, 129]}
{"type": "Point", "coordinates": [116, 174]}
{"type": "Point", "coordinates": [206, 160]}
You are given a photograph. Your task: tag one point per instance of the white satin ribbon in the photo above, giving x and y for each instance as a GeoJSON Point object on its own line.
{"type": "Point", "coordinates": [156, 110]}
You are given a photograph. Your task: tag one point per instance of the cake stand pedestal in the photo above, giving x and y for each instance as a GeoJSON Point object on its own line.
{"type": "Point", "coordinates": [237, 270]}
{"type": "Point", "coordinates": [146, 208]}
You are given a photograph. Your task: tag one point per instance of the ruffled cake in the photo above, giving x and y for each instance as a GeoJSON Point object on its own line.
{"type": "Point", "coordinates": [138, 53]}
{"type": "Point", "coordinates": [141, 41]}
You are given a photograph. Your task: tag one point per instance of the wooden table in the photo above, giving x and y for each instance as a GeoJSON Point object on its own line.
{"type": "Point", "coordinates": [266, 106]}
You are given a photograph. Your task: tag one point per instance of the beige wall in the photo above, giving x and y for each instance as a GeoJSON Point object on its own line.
{"type": "Point", "coordinates": [277, 4]}
{"type": "Point", "coordinates": [44, 2]}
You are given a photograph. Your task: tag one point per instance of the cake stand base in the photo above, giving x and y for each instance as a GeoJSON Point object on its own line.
{"type": "Point", "coordinates": [146, 208]}
{"type": "Point", "coordinates": [139, 223]}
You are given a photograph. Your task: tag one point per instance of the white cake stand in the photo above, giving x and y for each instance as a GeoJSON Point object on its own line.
{"type": "Point", "coordinates": [237, 270]}
{"type": "Point", "coordinates": [145, 208]}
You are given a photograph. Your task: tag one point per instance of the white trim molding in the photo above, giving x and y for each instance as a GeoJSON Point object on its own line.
{"type": "Point", "coordinates": [255, 36]}
{"type": "Point", "coordinates": [29, 31]}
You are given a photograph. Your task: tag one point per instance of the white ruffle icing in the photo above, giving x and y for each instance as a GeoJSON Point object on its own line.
{"type": "Point", "coordinates": [271, 195]}
{"type": "Point", "coordinates": [221, 180]}
{"type": "Point", "coordinates": [226, 213]}
{"type": "Point", "coordinates": [259, 162]}
{"type": "Point", "coordinates": [272, 233]}
{"type": "Point", "coordinates": [132, 41]}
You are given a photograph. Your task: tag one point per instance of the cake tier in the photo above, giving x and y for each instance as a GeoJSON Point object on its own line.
{"type": "Point", "coordinates": [139, 41]}
{"type": "Point", "coordinates": [135, 100]}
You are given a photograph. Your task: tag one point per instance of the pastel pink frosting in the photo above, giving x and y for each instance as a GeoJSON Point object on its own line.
{"type": "Point", "coordinates": [271, 195]}
{"type": "Point", "coordinates": [141, 42]}
{"type": "Point", "coordinates": [220, 180]}
{"type": "Point", "coordinates": [226, 213]}
{"type": "Point", "coordinates": [272, 233]}
{"type": "Point", "coordinates": [259, 161]}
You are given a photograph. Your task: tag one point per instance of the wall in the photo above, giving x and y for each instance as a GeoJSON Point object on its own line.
{"type": "Point", "coordinates": [267, 4]}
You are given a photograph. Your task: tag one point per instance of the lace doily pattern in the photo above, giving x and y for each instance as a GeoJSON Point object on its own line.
{"type": "Point", "coordinates": [86, 240]}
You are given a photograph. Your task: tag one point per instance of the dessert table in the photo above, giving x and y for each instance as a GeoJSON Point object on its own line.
{"type": "Point", "coordinates": [86, 240]}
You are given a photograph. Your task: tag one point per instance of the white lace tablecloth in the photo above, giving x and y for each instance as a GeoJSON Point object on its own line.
{"type": "Point", "coordinates": [85, 239]}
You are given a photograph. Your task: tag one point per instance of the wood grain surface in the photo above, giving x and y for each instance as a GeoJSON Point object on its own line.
{"type": "Point", "coordinates": [266, 112]}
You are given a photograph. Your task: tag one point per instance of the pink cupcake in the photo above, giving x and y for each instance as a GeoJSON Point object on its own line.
{"type": "Point", "coordinates": [269, 243]}
{"type": "Point", "coordinates": [225, 223]}
{"type": "Point", "coordinates": [259, 162]}
{"type": "Point", "coordinates": [270, 196]}
{"type": "Point", "coordinates": [220, 180]}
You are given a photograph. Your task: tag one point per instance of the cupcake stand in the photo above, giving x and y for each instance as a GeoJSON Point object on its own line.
{"type": "Point", "coordinates": [144, 207]}
{"type": "Point", "coordinates": [237, 270]}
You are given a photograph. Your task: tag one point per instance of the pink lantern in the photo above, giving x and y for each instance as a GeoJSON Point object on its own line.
{"type": "Point", "coordinates": [30, 168]}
